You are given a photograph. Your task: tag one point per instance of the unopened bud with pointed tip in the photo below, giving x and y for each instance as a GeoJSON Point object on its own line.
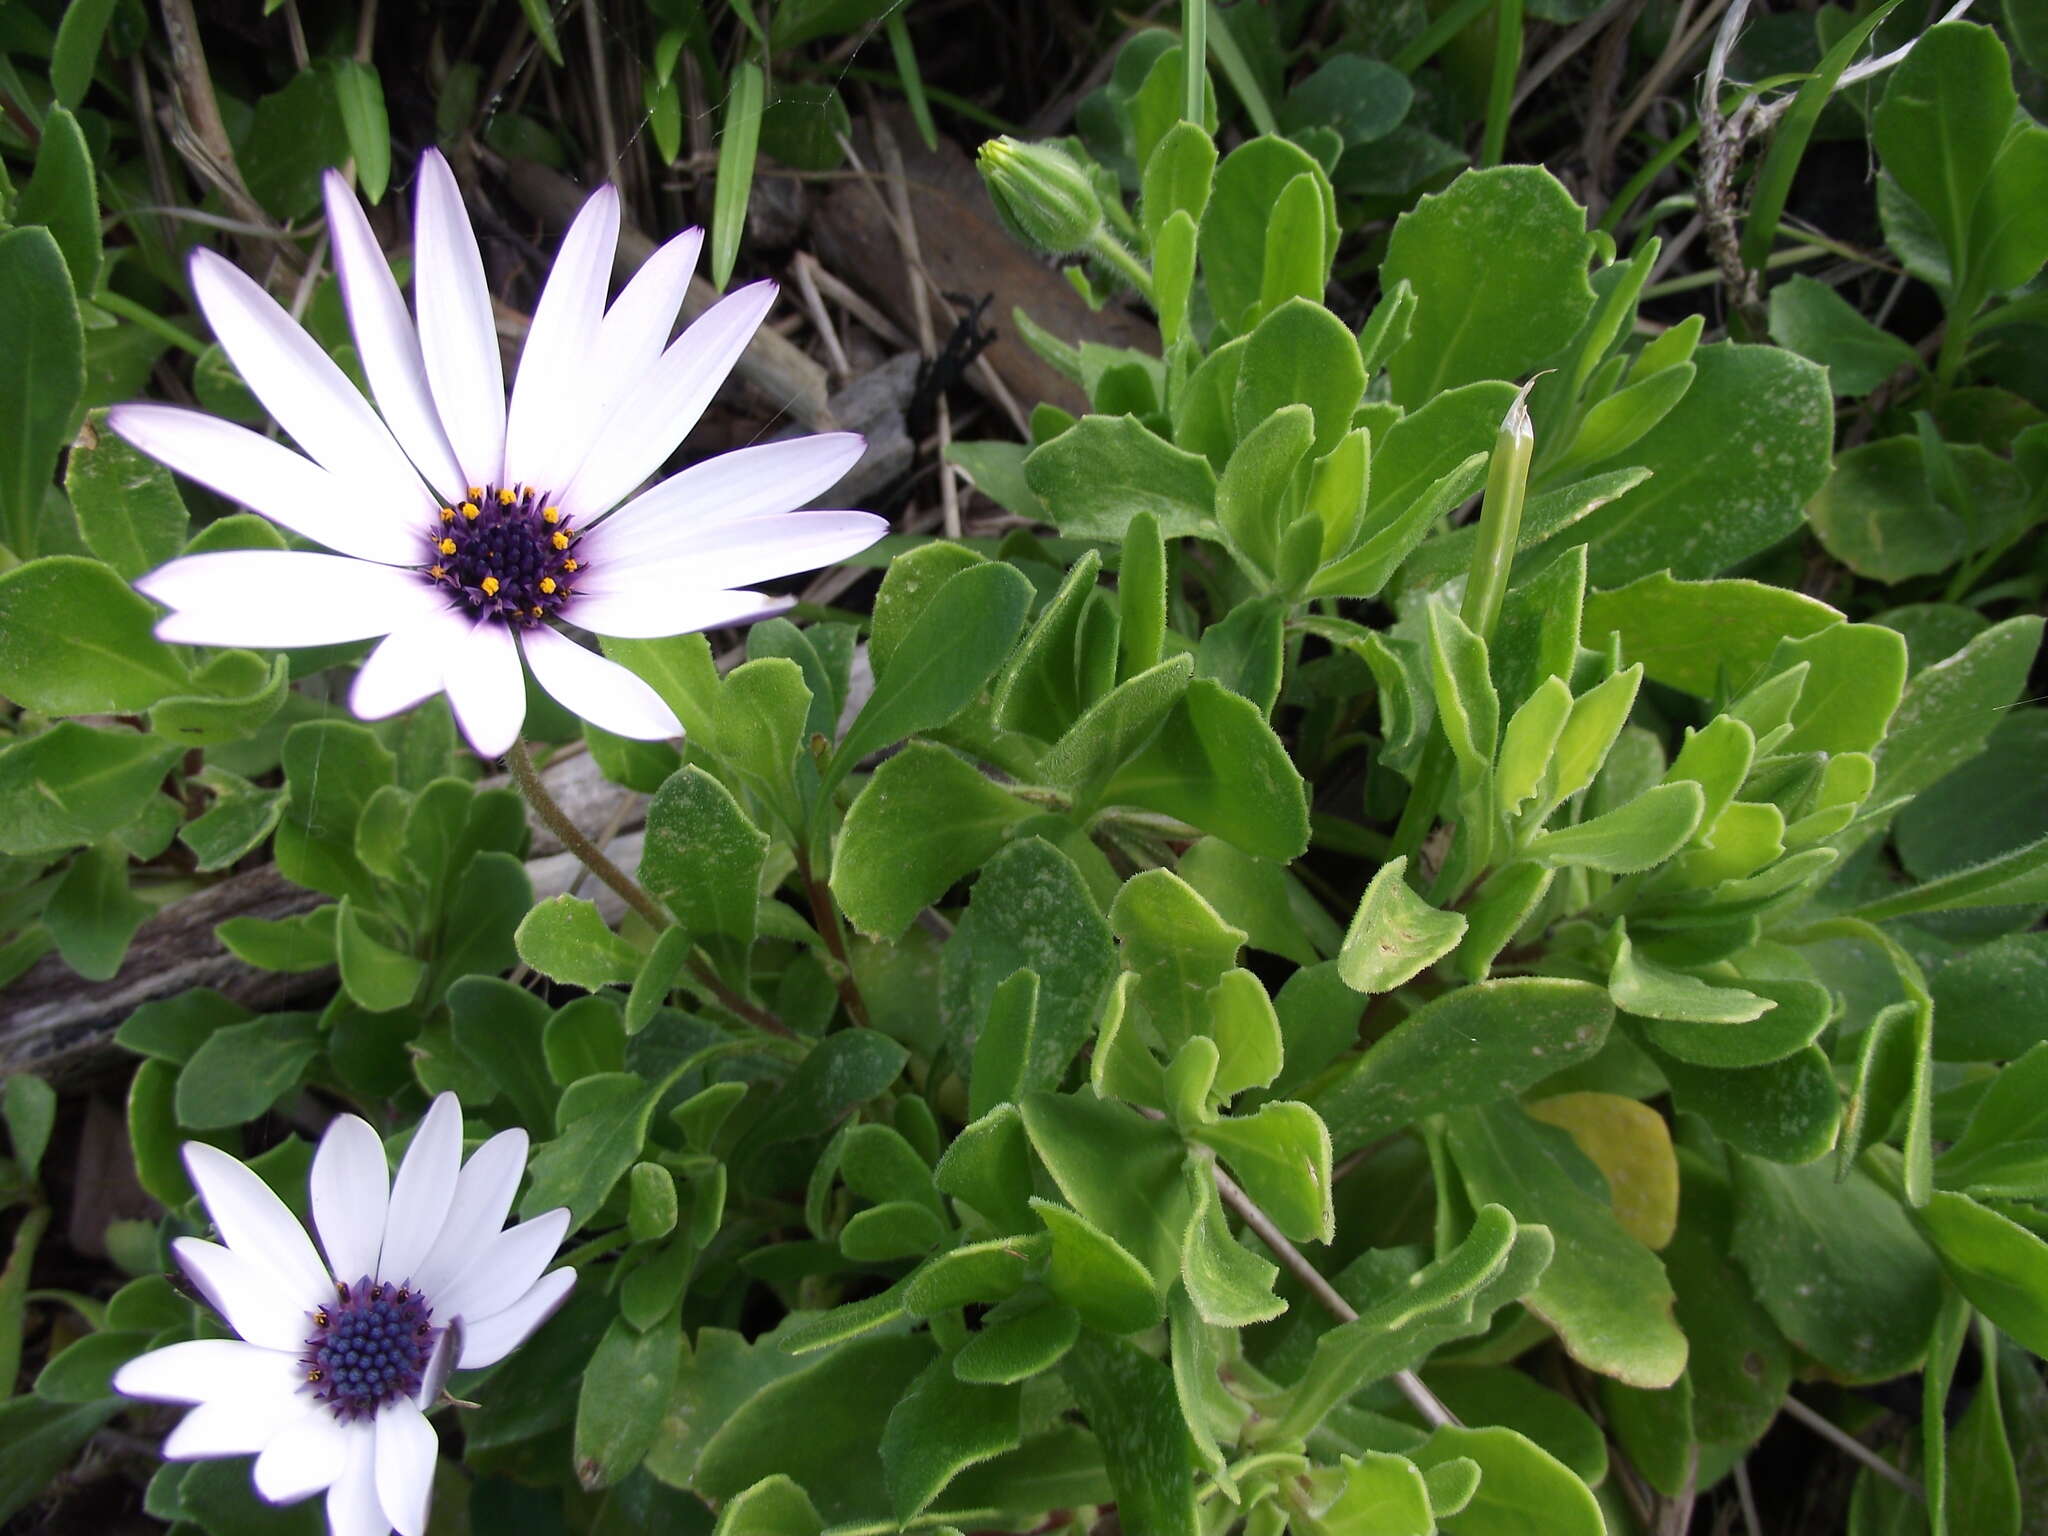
{"type": "Point", "coordinates": [1043, 197]}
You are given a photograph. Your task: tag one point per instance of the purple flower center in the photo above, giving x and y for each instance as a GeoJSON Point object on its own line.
{"type": "Point", "coordinates": [369, 1347]}
{"type": "Point", "coordinates": [507, 551]}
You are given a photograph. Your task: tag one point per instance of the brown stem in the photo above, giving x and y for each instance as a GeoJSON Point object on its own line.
{"type": "Point", "coordinates": [1420, 1398]}
{"type": "Point", "coordinates": [631, 891]}
{"type": "Point", "coordinates": [826, 917]}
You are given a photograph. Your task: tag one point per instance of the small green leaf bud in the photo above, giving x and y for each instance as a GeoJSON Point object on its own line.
{"type": "Point", "coordinates": [1044, 198]}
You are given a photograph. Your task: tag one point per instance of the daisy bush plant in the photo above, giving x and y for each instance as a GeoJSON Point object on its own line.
{"type": "Point", "coordinates": [1399, 905]}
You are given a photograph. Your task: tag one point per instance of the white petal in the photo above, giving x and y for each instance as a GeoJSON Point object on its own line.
{"type": "Point", "coordinates": [406, 1450]}
{"type": "Point", "coordinates": [407, 666]}
{"type": "Point", "coordinates": [269, 478]}
{"type": "Point", "coordinates": [280, 598]}
{"type": "Point", "coordinates": [303, 1458]}
{"type": "Point", "coordinates": [422, 1190]}
{"type": "Point", "coordinates": [249, 1295]}
{"type": "Point", "coordinates": [352, 1508]}
{"type": "Point", "coordinates": [601, 691]}
{"type": "Point", "coordinates": [434, 1375]}
{"type": "Point", "coordinates": [255, 1223]}
{"type": "Point", "coordinates": [351, 1187]}
{"type": "Point", "coordinates": [636, 330]}
{"type": "Point", "coordinates": [483, 1194]}
{"type": "Point", "coordinates": [751, 482]}
{"type": "Point", "coordinates": [387, 342]}
{"type": "Point", "coordinates": [734, 554]}
{"type": "Point", "coordinates": [200, 1370]}
{"type": "Point", "coordinates": [487, 686]}
{"type": "Point", "coordinates": [547, 428]}
{"type": "Point", "coordinates": [491, 1340]}
{"type": "Point", "coordinates": [458, 336]}
{"type": "Point", "coordinates": [229, 1426]}
{"type": "Point", "coordinates": [647, 612]}
{"type": "Point", "coordinates": [504, 1269]}
{"type": "Point", "coordinates": [311, 398]}
{"type": "Point", "coordinates": [645, 429]}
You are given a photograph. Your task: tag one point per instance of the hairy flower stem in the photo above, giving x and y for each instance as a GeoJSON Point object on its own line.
{"type": "Point", "coordinates": [1420, 1398]}
{"type": "Point", "coordinates": [629, 890]}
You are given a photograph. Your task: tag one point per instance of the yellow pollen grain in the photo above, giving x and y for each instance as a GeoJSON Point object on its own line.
{"type": "Point", "coordinates": [447, 514]}
{"type": "Point", "coordinates": [469, 510]}
{"type": "Point", "coordinates": [505, 496]}
{"type": "Point", "coordinates": [438, 572]}
{"type": "Point", "coordinates": [559, 539]}
{"type": "Point", "coordinates": [476, 493]}
{"type": "Point", "coordinates": [552, 515]}
{"type": "Point", "coordinates": [535, 610]}
{"type": "Point", "coordinates": [547, 585]}
{"type": "Point", "coordinates": [568, 565]}
{"type": "Point", "coordinates": [490, 586]}
{"type": "Point", "coordinates": [446, 546]}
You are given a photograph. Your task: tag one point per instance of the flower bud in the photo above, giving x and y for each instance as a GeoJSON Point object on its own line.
{"type": "Point", "coordinates": [1042, 196]}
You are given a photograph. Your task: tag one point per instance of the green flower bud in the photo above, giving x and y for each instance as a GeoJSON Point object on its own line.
{"type": "Point", "coordinates": [1042, 196]}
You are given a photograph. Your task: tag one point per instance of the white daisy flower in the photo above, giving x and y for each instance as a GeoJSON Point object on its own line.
{"type": "Point", "coordinates": [336, 1362]}
{"type": "Point", "coordinates": [464, 531]}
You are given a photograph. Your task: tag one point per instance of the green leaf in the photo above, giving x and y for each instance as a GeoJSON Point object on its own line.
{"type": "Point", "coordinates": [703, 856]}
{"type": "Point", "coordinates": [1605, 1293]}
{"type": "Point", "coordinates": [1389, 540]}
{"type": "Point", "coordinates": [1638, 835]}
{"type": "Point", "coordinates": [1819, 324]}
{"type": "Point", "coordinates": [1100, 472]}
{"type": "Point", "coordinates": [758, 722]}
{"type": "Point", "coordinates": [128, 506]}
{"type": "Point", "coordinates": [1991, 1002]}
{"type": "Point", "coordinates": [924, 820]}
{"type": "Point", "coordinates": [1014, 1347]}
{"type": "Point", "coordinates": [1788, 1110]}
{"type": "Point", "coordinates": [60, 196]}
{"type": "Point", "coordinates": [77, 48]}
{"type": "Point", "coordinates": [1471, 1046]}
{"type": "Point", "coordinates": [625, 1393]}
{"type": "Point", "coordinates": [1395, 935]}
{"type": "Point", "coordinates": [241, 692]}
{"type": "Point", "coordinates": [2017, 878]}
{"type": "Point", "coordinates": [240, 1070]}
{"type": "Point", "coordinates": [738, 142]}
{"type": "Point", "coordinates": [360, 95]}
{"type": "Point", "coordinates": [678, 668]}
{"type": "Point", "coordinates": [1710, 638]}
{"type": "Point", "coordinates": [92, 915]}
{"type": "Point", "coordinates": [1249, 186]}
{"type": "Point", "coordinates": [1252, 496]}
{"type": "Point", "coordinates": [29, 1106]}
{"type": "Point", "coordinates": [1030, 909]}
{"type": "Point", "coordinates": [42, 376]}
{"type": "Point", "coordinates": [1216, 764]}
{"type": "Point", "coordinates": [1228, 1285]}
{"type": "Point", "coordinates": [947, 655]}
{"type": "Point", "coordinates": [1643, 987]}
{"type": "Point", "coordinates": [1492, 1266]}
{"type": "Point", "coordinates": [1466, 705]}
{"type": "Point", "coordinates": [1114, 729]}
{"type": "Point", "coordinates": [41, 1438]}
{"type": "Point", "coordinates": [1949, 708]}
{"type": "Point", "coordinates": [1300, 354]}
{"type": "Point", "coordinates": [1178, 949]}
{"type": "Point", "coordinates": [1119, 1170]}
{"type": "Point", "coordinates": [74, 638]}
{"type": "Point", "coordinates": [1004, 1052]}
{"type": "Point", "coordinates": [1131, 1406]}
{"type": "Point", "coordinates": [1177, 177]}
{"type": "Point", "coordinates": [775, 1506]}
{"type": "Point", "coordinates": [1498, 264]}
{"type": "Point", "coordinates": [568, 940]}
{"type": "Point", "coordinates": [73, 784]}
{"type": "Point", "coordinates": [1517, 1477]}
{"type": "Point", "coordinates": [1731, 468]}
{"type": "Point", "coordinates": [1281, 1156]}
{"type": "Point", "coordinates": [842, 1072]}
{"type": "Point", "coordinates": [939, 1428]}
{"type": "Point", "coordinates": [1998, 1264]}
{"type": "Point", "coordinates": [1094, 1274]}
{"type": "Point", "coordinates": [1944, 114]}
{"type": "Point", "coordinates": [1836, 1265]}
